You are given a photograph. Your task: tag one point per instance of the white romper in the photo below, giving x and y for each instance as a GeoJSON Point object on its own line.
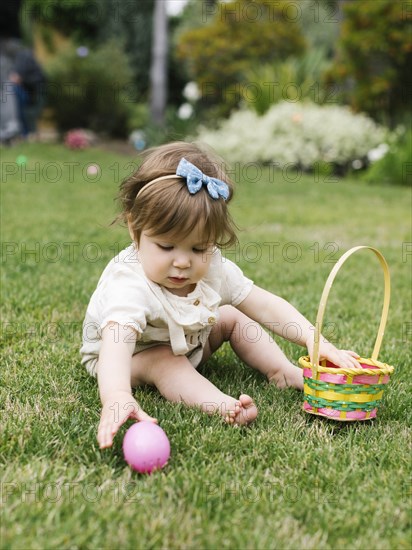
{"type": "Point", "coordinates": [125, 296]}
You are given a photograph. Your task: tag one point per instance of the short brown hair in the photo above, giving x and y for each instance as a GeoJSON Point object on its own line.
{"type": "Point", "coordinates": [168, 207]}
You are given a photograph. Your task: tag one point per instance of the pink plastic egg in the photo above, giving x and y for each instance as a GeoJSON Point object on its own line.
{"type": "Point", "coordinates": [146, 447]}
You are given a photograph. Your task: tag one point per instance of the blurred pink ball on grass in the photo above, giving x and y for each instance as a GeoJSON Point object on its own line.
{"type": "Point", "coordinates": [146, 447]}
{"type": "Point", "coordinates": [93, 170]}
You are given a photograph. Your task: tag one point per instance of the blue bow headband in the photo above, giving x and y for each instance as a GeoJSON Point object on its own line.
{"type": "Point", "coordinates": [195, 179]}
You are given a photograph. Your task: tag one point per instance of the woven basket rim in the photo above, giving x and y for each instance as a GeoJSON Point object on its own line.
{"type": "Point", "coordinates": [382, 368]}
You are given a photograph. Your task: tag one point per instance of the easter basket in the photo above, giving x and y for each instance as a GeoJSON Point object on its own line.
{"type": "Point", "coordinates": [346, 393]}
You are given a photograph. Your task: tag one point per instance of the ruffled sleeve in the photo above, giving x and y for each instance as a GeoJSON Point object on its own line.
{"type": "Point", "coordinates": [123, 300]}
{"type": "Point", "coordinates": [234, 286]}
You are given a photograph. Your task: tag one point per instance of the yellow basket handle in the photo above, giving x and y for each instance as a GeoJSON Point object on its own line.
{"type": "Point", "coordinates": [325, 294]}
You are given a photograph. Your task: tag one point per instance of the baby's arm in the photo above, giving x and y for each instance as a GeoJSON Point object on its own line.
{"type": "Point", "coordinates": [114, 375]}
{"type": "Point", "coordinates": [277, 315]}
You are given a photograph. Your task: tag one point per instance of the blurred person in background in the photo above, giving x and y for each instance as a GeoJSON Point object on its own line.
{"type": "Point", "coordinates": [9, 117]}
{"type": "Point", "coordinates": [22, 79]}
{"type": "Point", "coordinates": [28, 81]}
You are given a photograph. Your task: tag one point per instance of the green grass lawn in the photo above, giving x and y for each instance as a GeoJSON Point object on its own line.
{"type": "Point", "coordinates": [291, 480]}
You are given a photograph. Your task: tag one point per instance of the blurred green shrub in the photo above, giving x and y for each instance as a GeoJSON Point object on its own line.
{"type": "Point", "coordinates": [395, 167]}
{"type": "Point", "coordinates": [91, 89]}
{"type": "Point", "coordinates": [295, 79]}
{"type": "Point", "coordinates": [175, 128]}
{"type": "Point", "coordinates": [139, 116]}
{"type": "Point", "coordinates": [372, 65]}
{"type": "Point", "coordinates": [240, 34]}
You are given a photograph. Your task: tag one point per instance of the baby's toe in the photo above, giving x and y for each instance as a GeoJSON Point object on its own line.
{"type": "Point", "coordinates": [248, 412]}
{"type": "Point", "coordinates": [246, 401]}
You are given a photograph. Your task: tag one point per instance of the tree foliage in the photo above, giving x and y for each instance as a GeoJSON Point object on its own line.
{"type": "Point", "coordinates": [83, 93]}
{"type": "Point", "coordinates": [77, 18]}
{"type": "Point", "coordinates": [241, 34]}
{"type": "Point", "coordinates": [320, 21]}
{"type": "Point", "coordinates": [374, 56]}
{"type": "Point", "coordinates": [93, 24]}
{"type": "Point", "coordinates": [131, 23]}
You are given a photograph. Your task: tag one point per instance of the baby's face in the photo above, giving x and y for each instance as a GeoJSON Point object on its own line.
{"type": "Point", "coordinates": [175, 263]}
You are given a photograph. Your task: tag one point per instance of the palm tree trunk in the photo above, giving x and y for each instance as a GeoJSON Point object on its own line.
{"type": "Point", "coordinates": [158, 70]}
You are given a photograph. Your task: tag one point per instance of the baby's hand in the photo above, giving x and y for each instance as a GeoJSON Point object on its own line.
{"type": "Point", "coordinates": [339, 357]}
{"type": "Point", "coordinates": [117, 408]}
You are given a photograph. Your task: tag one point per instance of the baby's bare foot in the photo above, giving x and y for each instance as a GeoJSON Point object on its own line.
{"type": "Point", "coordinates": [290, 377]}
{"type": "Point", "coordinates": [243, 413]}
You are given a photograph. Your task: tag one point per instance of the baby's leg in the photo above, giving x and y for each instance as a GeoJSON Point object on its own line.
{"type": "Point", "coordinates": [255, 347]}
{"type": "Point", "coordinates": [178, 381]}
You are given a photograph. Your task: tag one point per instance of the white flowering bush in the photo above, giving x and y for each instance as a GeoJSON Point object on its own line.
{"type": "Point", "coordinates": [299, 134]}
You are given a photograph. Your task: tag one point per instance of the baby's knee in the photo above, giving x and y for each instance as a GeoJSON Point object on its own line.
{"type": "Point", "coordinates": [146, 362]}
